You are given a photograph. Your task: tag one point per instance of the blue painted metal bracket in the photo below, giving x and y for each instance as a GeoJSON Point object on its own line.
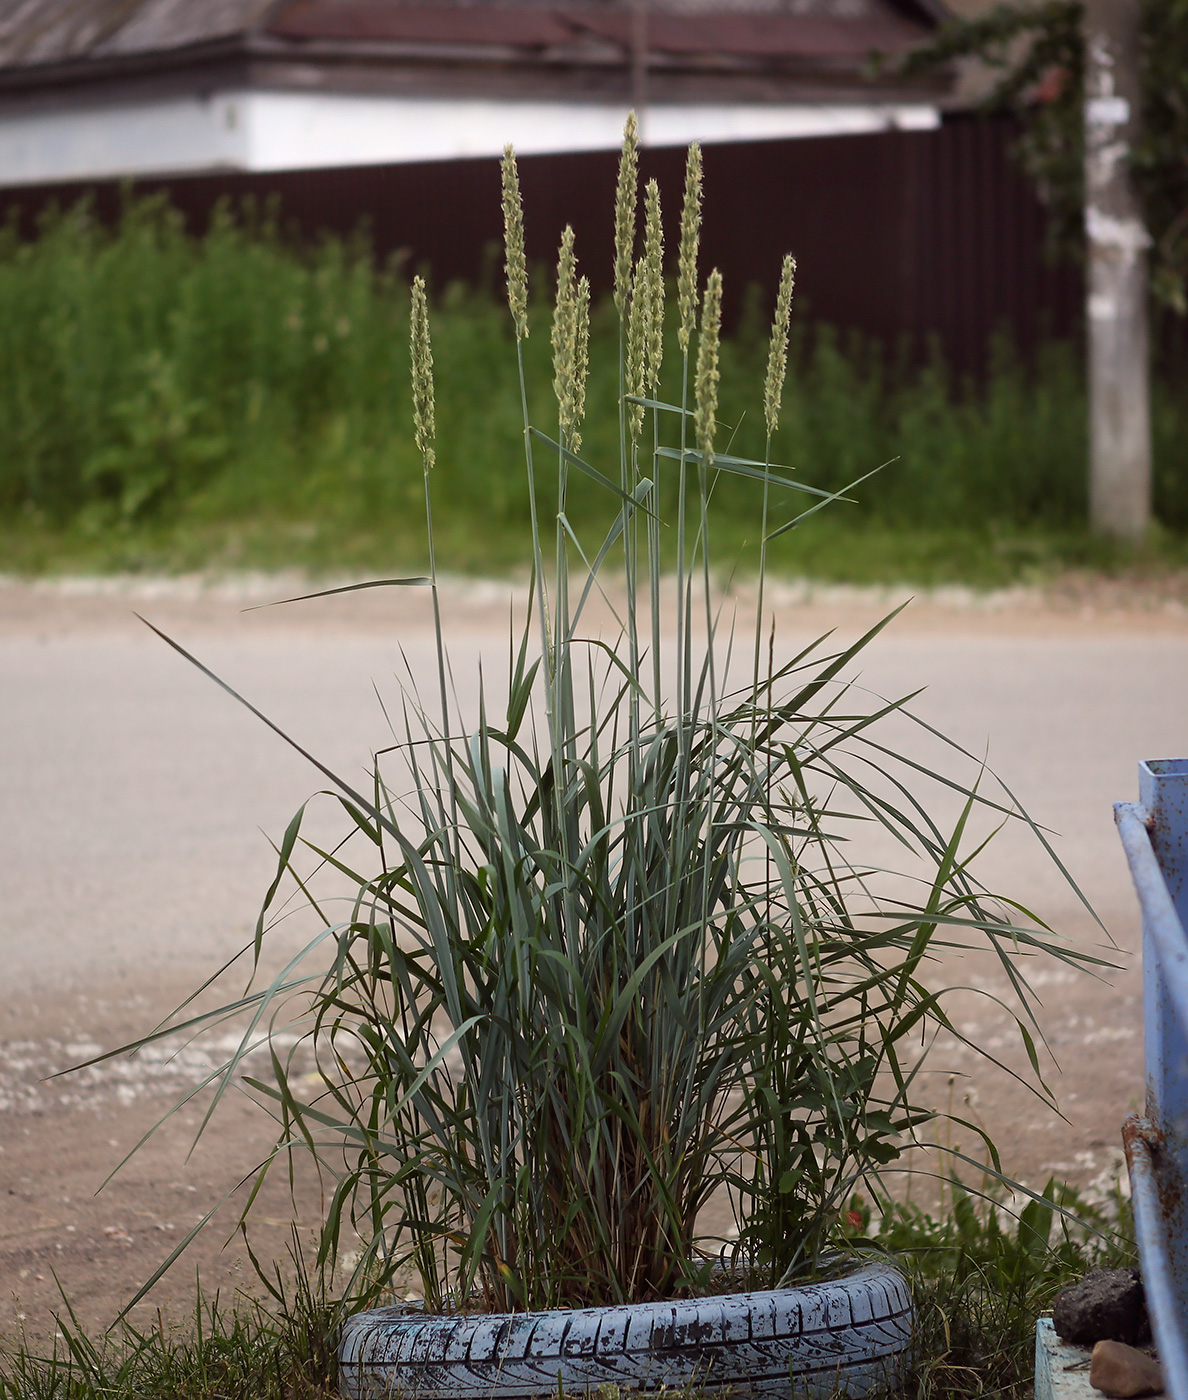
{"type": "Point", "coordinates": [1154, 836]}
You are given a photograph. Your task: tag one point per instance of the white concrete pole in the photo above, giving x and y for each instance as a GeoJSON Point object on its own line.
{"type": "Point", "coordinates": [1119, 354]}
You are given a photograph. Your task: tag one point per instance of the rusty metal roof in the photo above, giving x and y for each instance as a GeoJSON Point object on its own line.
{"type": "Point", "coordinates": [738, 31]}
{"type": "Point", "coordinates": [697, 50]}
{"type": "Point", "coordinates": [59, 32]}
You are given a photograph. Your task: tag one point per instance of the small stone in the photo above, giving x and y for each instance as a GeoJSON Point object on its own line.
{"type": "Point", "coordinates": [1116, 1369]}
{"type": "Point", "coordinates": [1107, 1305]}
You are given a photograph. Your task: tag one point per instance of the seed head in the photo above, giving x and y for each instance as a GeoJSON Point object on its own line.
{"type": "Point", "coordinates": [625, 196]}
{"type": "Point", "coordinates": [564, 335]}
{"type": "Point", "coordinates": [421, 354]}
{"type": "Point", "coordinates": [581, 359]}
{"type": "Point", "coordinates": [515, 264]}
{"type": "Point", "coordinates": [654, 262]}
{"type": "Point", "coordinates": [690, 236]}
{"type": "Point", "coordinates": [777, 355]}
{"type": "Point", "coordinates": [637, 345]}
{"type": "Point", "coordinates": [706, 387]}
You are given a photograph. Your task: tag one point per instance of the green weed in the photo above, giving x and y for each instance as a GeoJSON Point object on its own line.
{"type": "Point", "coordinates": [982, 1276]}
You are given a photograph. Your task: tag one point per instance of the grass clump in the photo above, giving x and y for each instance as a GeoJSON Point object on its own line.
{"type": "Point", "coordinates": [245, 1351]}
{"type": "Point", "coordinates": [653, 926]}
{"type": "Point", "coordinates": [982, 1276]}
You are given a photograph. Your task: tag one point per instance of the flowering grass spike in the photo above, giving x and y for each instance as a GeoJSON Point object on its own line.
{"type": "Point", "coordinates": [625, 197]}
{"type": "Point", "coordinates": [690, 237]}
{"type": "Point", "coordinates": [637, 345]}
{"type": "Point", "coordinates": [706, 388]}
{"type": "Point", "coordinates": [421, 353]}
{"type": "Point", "coordinates": [654, 263]}
{"type": "Point", "coordinates": [777, 355]}
{"type": "Point", "coordinates": [516, 263]}
{"type": "Point", "coordinates": [565, 337]}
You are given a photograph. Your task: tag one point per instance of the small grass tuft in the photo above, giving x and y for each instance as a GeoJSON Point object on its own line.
{"type": "Point", "coordinates": [239, 1352]}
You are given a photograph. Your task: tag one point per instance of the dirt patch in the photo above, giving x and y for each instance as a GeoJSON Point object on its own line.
{"type": "Point", "coordinates": [65, 1234]}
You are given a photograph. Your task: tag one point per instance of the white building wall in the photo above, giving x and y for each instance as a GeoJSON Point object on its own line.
{"type": "Point", "coordinates": [249, 130]}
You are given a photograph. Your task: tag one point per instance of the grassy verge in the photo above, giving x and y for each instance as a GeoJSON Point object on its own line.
{"type": "Point", "coordinates": [168, 403]}
{"type": "Point", "coordinates": [239, 1352]}
{"type": "Point", "coordinates": [829, 550]}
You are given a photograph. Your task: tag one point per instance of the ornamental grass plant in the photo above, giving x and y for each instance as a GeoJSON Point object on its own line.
{"type": "Point", "coordinates": [624, 943]}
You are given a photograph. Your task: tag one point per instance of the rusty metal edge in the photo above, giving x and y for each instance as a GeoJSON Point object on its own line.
{"type": "Point", "coordinates": [1143, 1143]}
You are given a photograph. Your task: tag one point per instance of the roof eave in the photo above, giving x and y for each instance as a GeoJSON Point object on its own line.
{"type": "Point", "coordinates": [252, 57]}
{"type": "Point", "coordinates": [100, 68]}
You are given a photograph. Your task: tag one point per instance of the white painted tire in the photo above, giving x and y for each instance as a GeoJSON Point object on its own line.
{"type": "Point", "coordinates": [847, 1336]}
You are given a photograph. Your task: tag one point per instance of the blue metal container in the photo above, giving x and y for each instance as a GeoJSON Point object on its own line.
{"type": "Point", "coordinates": [1154, 834]}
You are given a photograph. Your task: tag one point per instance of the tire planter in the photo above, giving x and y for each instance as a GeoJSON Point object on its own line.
{"type": "Point", "coordinates": [845, 1336]}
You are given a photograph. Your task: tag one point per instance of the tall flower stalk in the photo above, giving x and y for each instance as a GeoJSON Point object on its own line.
{"type": "Point", "coordinates": [687, 313]}
{"type": "Point", "coordinates": [653, 365]}
{"type": "Point", "coordinates": [773, 397]}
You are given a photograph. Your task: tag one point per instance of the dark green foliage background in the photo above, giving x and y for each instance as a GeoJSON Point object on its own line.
{"type": "Point", "coordinates": [230, 399]}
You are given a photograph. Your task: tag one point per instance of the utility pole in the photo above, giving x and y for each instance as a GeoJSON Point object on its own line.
{"type": "Point", "coordinates": [1119, 353]}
